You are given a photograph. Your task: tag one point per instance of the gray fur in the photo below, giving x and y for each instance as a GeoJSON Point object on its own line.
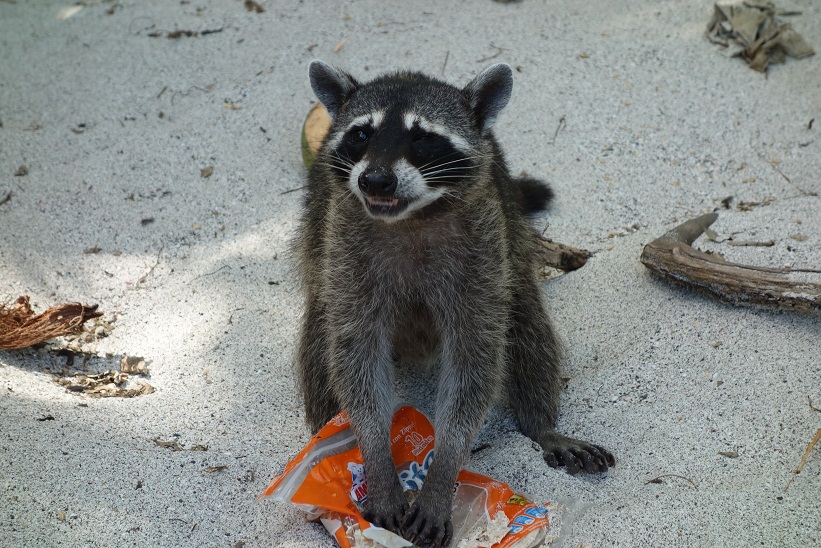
{"type": "Point", "coordinates": [455, 278]}
{"type": "Point", "coordinates": [331, 86]}
{"type": "Point", "coordinates": [489, 93]}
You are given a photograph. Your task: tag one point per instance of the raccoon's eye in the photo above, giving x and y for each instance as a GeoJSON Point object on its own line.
{"type": "Point", "coordinates": [421, 135]}
{"type": "Point", "coordinates": [359, 136]}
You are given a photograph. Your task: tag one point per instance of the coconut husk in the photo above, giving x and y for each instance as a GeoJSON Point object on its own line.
{"type": "Point", "coordinates": [21, 327]}
{"type": "Point", "coordinates": [316, 126]}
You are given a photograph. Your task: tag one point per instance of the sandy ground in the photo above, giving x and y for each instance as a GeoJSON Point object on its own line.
{"type": "Point", "coordinates": [115, 121]}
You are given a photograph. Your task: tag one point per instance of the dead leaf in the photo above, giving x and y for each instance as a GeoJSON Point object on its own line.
{"type": "Point", "coordinates": [206, 171]}
{"type": "Point", "coordinates": [752, 31]}
{"type": "Point", "coordinates": [61, 515]}
{"type": "Point", "coordinates": [252, 5]}
{"type": "Point", "coordinates": [134, 365]}
{"type": "Point", "coordinates": [729, 454]}
{"type": "Point", "coordinates": [177, 34]}
{"type": "Point", "coordinates": [213, 469]}
{"type": "Point", "coordinates": [799, 237]}
{"type": "Point", "coordinates": [20, 327]}
{"type": "Point", "coordinates": [22, 171]}
{"type": "Point", "coordinates": [340, 45]}
{"type": "Point", "coordinates": [170, 444]}
{"type": "Point", "coordinates": [108, 384]}
{"type": "Point", "coordinates": [748, 206]}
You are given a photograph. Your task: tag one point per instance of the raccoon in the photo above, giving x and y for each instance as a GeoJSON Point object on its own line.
{"type": "Point", "coordinates": [416, 241]}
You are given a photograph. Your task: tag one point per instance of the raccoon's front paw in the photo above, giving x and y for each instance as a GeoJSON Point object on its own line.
{"type": "Point", "coordinates": [575, 455]}
{"type": "Point", "coordinates": [428, 524]}
{"type": "Point", "coordinates": [386, 510]}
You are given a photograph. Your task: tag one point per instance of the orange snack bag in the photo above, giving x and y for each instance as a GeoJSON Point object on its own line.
{"type": "Point", "coordinates": [327, 480]}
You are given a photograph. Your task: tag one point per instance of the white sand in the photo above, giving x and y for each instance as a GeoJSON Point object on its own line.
{"type": "Point", "coordinates": [659, 127]}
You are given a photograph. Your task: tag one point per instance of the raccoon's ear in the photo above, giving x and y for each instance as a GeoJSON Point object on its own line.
{"type": "Point", "coordinates": [488, 94]}
{"type": "Point", "coordinates": [331, 86]}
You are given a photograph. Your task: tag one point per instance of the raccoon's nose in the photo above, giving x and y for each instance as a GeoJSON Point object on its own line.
{"type": "Point", "coordinates": [377, 183]}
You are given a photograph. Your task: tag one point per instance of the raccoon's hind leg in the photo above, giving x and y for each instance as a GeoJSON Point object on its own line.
{"type": "Point", "coordinates": [533, 362]}
{"type": "Point", "coordinates": [313, 363]}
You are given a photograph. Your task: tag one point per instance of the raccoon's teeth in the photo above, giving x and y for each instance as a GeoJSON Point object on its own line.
{"type": "Point", "coordinates": [375, 200]}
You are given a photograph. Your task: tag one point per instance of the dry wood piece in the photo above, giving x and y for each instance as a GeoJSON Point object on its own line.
{"type": "Point", "coordinates": [560, 256]}
{"type": "Point", "coordinates": [797, 471]}
{"type": "Point", "coordinates": [672, 258]}
{"type": "Point", "coordinates": [20, 327]}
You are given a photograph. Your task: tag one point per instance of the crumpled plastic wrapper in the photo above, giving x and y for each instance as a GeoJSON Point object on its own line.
{"type": "Point", "coordinates": [752, 31]}
{"type": "Point", "coordinates": [327, 480]}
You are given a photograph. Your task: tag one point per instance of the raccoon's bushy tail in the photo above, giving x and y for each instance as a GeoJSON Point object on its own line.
{"type": "Point", "coordinates": [535, 195]}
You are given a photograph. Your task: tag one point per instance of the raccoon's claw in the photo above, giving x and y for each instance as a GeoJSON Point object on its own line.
{"type": "Point", "coordinates": [387, 515]}
{"type": "Point", "coordinates": [426, 528]}
{"type": "Point", "coordinates": [575, 455]}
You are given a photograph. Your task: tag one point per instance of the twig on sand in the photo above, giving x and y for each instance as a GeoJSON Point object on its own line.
{"type": "Point", "coordinates": [801, 464]}
{"type": "Point", "coordinates": [657, 479]}
{"type": "Point", "coordinates": [671, 257]}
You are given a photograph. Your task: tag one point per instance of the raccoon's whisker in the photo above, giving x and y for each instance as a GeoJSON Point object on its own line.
{"type": "Point", "coordinates": [338, 163]}
{"type": "Point", "coordinates": [437, 159]}
{"type": "Point", "coordinates": [462, 159]}
{"type": "Point", "coordinates": [342, 159]}
{"type": "Point", "coordinates": [448, 169]}
{"type": "Point", "coordinates": [343, 169]}
{"type": "Point", "coordinates": [441, 180]}
{"type": "Point", "coordinates": [442, 168]}
{"type": "Point", "coordinates": [434, 166]}
{"type": "Point", "coordinates": [445, 176]}
{"type": "Point", "coordinates": [451, 197]}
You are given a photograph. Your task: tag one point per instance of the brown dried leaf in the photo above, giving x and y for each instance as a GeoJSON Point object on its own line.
{"type": "Point", "coordinates": [134, 365]}
{"type": "Point", "coordinates": [752, 31]}
{"type": "Point", "coordinates": [20, 327]}
{"type": "Point", "coordinates": [170, 444]}
{"type": "Point", "coordinates": [212, 469]}
{"type": "Point", "coordinates": [254, 6]}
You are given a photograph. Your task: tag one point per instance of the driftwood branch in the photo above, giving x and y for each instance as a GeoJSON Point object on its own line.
{"type": "Point", "coordinates": [559, 256]}
{"type": "Point", "coordinates": [672, 258]}
{"type": "Point", "coordinates": [20, 327]}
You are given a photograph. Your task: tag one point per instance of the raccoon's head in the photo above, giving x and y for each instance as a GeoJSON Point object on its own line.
{"type": "Point", "coordinates": [404, 141]}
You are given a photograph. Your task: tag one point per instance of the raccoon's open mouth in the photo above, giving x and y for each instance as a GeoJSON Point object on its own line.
{"type": "Point", "coordinates": [384, 206]}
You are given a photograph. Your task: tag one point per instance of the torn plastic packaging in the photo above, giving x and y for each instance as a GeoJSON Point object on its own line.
{"type": "Point", "coordinates": [327, 480]}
